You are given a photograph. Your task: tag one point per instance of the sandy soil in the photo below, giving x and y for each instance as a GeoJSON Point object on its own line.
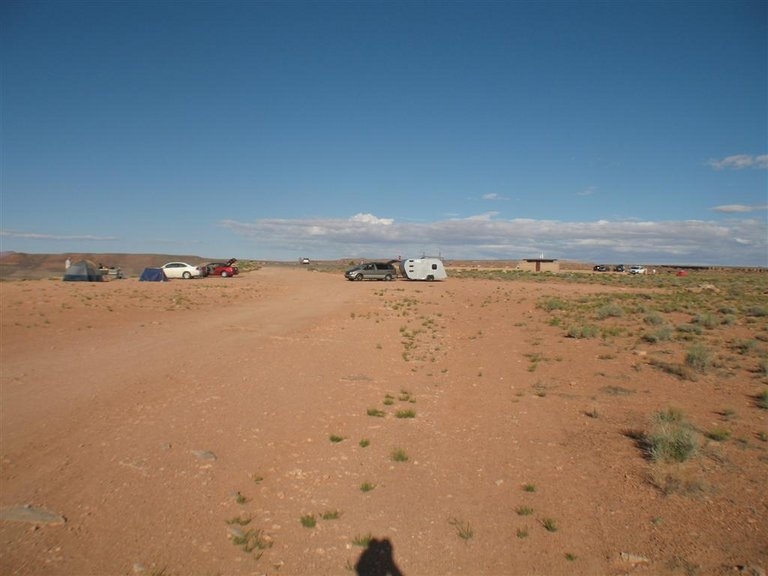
{"type": "Point", "coordinates": [185, 428]}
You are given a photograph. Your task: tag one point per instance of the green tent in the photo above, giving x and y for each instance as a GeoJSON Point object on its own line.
{"type": "Point", "coordinates": [83, 271]}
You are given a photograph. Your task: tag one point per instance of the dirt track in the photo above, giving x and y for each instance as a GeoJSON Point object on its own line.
{"type": "Point", "coordinates": [116, 396]}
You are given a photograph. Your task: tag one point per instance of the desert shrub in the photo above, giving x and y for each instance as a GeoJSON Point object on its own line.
{"type": "Point", "coordinates": [729, 320]}
{"type": "Point", "coordinates": [673, 439]}
{"type": "Point", "coordinates": [669, 483]}
{"type": "Point", "coordinates": [611, 310]}
{"type": "Point", "coordinates": [719, 434]}
{"type": "Point", "coordinates": [707, 320]}
{"type": "Point", "coordinates": [661, 334]}
{"type": "Point", "coordinates": [653, 318]}
{"type": "Point", "coordinates": [745, 346]}
{"type": "Point", "coordinates": [757, 311]}
{"type": "Point", "coordinates": [609, 331]}
{"type": "Point", "coordinates": [551, 303]}
{"type": "Point", "coordinates": [583, 331]}
{"type": "Point", "coordinates": [679, 370]}
{"type": "Point", "coordinates": [689, 329]}
{"type": "Point", "coordinates": [762, 400]}
{"type": "Point", "coordinates": [698, 357]}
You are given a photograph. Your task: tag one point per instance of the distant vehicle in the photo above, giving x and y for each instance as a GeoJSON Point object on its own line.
{"type": "Point", "coordinates": [181, 270]}
{"type": "Point", "coordinates": [372, 271]}
{"type": "Point", "coordinates": [619, 268]}
{"type": "Point", "coordinates": [600, 268]}
{"type": "Point", "coordinates": [637, 270]}
{"type": "Point", "coordinates": [423, 269]}
{"type": "Point", "coordinates": [304, 260]}
{"type": "Point", "coordinates": [223, 269]}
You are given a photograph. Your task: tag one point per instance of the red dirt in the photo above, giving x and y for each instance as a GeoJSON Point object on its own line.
{"type": "Point", "coordinates": [111, 392]}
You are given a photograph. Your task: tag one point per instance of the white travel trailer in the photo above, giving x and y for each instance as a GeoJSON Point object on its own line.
{"type": "Point", "coordinates": [423, 269]}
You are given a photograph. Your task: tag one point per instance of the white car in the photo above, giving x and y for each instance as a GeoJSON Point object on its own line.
{"type": "Point", "coordinates": [181, 270]}
{"type": "Point", "coordinates": [636, 270]}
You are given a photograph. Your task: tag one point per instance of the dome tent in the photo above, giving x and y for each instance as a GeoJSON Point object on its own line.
{"type": "Point", "coordinates": [83, 271]}
{"type": "Point", "coordinates": [153, 275]}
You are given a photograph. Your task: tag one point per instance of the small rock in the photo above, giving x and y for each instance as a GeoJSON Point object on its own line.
{"type": "Point", "coordinates": [204, 454]}
{"type": "Point", "coordinates": [751, 570]}
{"type": "Point", "coordinates": [634, 558]}
{"type": "Point", "coordinates": [32, 515]}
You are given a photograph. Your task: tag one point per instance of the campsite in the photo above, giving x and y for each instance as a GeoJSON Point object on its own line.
{"type": "Point", "coordinates": [496, 422]}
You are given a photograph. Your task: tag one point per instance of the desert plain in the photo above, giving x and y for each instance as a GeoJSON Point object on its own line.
{"type": "Point", "coordinates": [287, 421]}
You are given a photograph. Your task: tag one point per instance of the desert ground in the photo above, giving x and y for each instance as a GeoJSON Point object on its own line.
{"type": "Point", "coordinates": [287, 421]}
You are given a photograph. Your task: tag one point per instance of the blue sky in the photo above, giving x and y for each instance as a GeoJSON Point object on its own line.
{"type": "Point", "coordinates": [631, 132]}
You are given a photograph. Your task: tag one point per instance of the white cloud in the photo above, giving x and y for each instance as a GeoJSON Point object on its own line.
{"type": "Point", "coordinates": [740, 161]}
{"type": "Point", "coordinates": [371, 219]}
{"type": "Point", "coordinates": [588, 191]}
{"type": "Point", "coordinates": [38, 236]}
{"type": "Point", "coordinates": [736, 241]}
{"type": "Point", "coordinates": [493, 196]}
{"type": "Point", "coordinates": [731, 208]}
{"type": "Point", "coordinates": [483, 216]}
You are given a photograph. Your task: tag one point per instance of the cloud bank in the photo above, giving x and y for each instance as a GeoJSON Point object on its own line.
{"type": "Point", "coordinates": [38, 236]}
{"type": "Point", "coordinates": [740, 161]}
{"type": "Point", "coordinates": [731, 208]}
{"type": "Point", "coordinates": [732, 242]}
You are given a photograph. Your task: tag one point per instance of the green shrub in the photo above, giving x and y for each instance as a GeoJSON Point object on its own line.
{"type": "Point", "coordinates": [757, 311]}
{"type": "Point", "coordinates": [611, 310]}
{"type": "Point", "coordinates": [698, 357]}
{"type": "Point", "coordinates": [653, 319]}
{"type": "Point", "coordinates": [673, 439]}
{"type": "Point", "coordinates": [661, 334]}
{"type": "Point", "coordinates": [763, 367]}
{"type": "Point", "coordinates": [583, 331]}
{"type": "Point", "coordinates": [679, 370]}
{"type": "Point", "coordinates": [551, 303]}
{"type": "Point", "coordinates": [689, 329]}
{"type": "Point", "coordinates": [550, 525]}
{"type": "Point", "coordinates": [709, 321]}
{"type": "Point", "coordinates": [719, 434]}
{"type": "Point", "coordinates": [399, 455]}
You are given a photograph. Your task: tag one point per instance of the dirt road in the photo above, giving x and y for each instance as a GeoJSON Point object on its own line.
{"type": "Point", "coordinates": [275, 422]}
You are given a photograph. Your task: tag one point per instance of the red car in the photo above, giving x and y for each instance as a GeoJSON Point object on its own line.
{"type": "Point", "coordinates": [223, 269]}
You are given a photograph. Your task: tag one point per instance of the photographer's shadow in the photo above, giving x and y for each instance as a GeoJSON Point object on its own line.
{"type": "Point", "coordinates": [377, 560]}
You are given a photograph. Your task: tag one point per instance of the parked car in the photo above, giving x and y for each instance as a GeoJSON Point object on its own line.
{"type": "Point", "coordinates": [181, 270]}
{"type": "Point", "coordinates": [372, 271]}
{"type": "Point", "coordinates": [619, 268]}
{"type": "Point", "coordinates": [600, 268]}
{"type": "Point", "coordinates": [637, 270]}
{"type": "Point", "coordinates": [223, 269]}
{"type": "Point", "coordinates": [304, 260]}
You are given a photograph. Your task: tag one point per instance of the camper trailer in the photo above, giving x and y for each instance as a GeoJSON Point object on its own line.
{"type": "Point", "coordinates": [423, 269]}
